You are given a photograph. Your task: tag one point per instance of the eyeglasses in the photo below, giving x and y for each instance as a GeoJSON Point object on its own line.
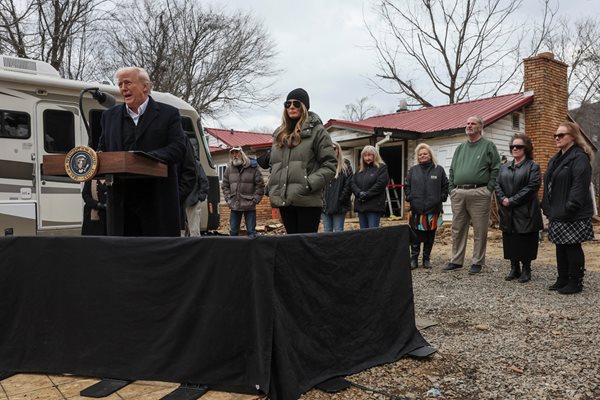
{"type": "Point", "coordinates": [559, 136]}
{"type": "Point", "coordinates": [516, 147]}
{"type": "Point", "coordinates": [294, 103]}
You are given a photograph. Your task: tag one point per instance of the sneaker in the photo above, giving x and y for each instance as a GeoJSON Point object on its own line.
{"type": "Point", "coordinates": [451, 267]}
{"type": "Point", "coordinates": [475, 269]}
{"type": "Point", "coordinates": [426, 264]}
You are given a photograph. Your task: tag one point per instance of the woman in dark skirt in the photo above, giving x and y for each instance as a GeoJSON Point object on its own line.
{"type": "Point", "coordinates": [569, 206]}
{"type": "Point", "coordinates": [517, 188]}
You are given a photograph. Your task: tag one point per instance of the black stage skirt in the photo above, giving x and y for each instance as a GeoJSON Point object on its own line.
{"type": "Point", "coordinates": [520, 246]}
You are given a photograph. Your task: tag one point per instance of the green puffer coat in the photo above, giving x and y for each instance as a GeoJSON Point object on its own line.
{"type": "Point", "coordinates": [299, 174]}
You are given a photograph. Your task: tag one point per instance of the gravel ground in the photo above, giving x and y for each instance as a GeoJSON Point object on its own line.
{"type": "Point", "coordinates": [495, 339]}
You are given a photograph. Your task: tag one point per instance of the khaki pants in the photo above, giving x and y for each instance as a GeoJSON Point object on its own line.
{"type": "Point", "coordinates": [470, 207]}
{"type": "Point", "coordinates": [193, 218]}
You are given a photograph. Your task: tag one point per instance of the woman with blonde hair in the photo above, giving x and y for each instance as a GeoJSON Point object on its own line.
{"type": "Point", "coordinates": [568, 205]}
{"type": "Point", "coordinates": [302, 162]}
{"type": "Point", "coordinates": [425, 188]}
{"type": "Point", "coordinates": [368, 186]}
{"type": "Point", "coordinates": [337, 194]}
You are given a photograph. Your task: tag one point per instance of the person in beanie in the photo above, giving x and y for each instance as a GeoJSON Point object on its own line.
{"type": "Point", "coordinates": [569, 206]}
{"type": "Point", "coordinates": [425, 188]}
{"type": "Point", "coordinates": [302, 162]}
{"type": "Point", "coordinates": [243, 188]}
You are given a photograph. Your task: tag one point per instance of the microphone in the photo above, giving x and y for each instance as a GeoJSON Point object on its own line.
{"type": "Point", "coordinates": [103, 98]}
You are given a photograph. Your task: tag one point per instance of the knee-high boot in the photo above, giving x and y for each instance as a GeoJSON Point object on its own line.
{"type": "Point", "coordinates": [427, 246]}
{"type": "Point", "coordinates": [415, 248]}
{"type": "Point", "coordinates": [515, 271]}
{"type": "Point", "coordinates": [562, 268]}
{"type": "Point", "coordinates": [526, 273]}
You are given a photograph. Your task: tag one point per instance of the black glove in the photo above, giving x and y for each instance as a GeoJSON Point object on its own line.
{"type": "Point", "coordinates": [362, 197]}
{"type": "Point", "coordinates": [101, 206]}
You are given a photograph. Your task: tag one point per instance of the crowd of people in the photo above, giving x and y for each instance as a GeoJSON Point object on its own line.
{"type": "Point", "coordinates": [310, 181]}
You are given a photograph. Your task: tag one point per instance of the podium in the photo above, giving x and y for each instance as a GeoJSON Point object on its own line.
{"type": "Point", "coordinates": [113, 167]}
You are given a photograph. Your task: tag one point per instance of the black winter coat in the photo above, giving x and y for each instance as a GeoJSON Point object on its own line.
{"type": "Point", "coordinates": [426, 188]}
{"type": "Point", "coordinates": [519, 184]}
{"type": "Point", "coordinates": [338, 191]}
{"type": "Point", "coordinates": [567, 195]}
{"type": "Point", "coordinates": [372, 181]}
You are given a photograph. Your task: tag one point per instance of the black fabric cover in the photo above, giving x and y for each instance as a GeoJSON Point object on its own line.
{"type": "Point", "coordinates": [279, 313]}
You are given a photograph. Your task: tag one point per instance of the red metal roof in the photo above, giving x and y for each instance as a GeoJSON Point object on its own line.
{"type": "Point", "coordinates": [441, 118]}
{"type": "Point", "coordinates": [233, 138]}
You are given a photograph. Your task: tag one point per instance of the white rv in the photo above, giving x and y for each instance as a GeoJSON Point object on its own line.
{"type": "Point", "coordinates": [39, 115]}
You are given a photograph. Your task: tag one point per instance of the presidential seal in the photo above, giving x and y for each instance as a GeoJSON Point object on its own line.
{"type": "Point", "coordinates": [81, 163]}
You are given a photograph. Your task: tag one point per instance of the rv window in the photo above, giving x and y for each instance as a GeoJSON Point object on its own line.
{"type": "Point", "coordinates": [187, 124]}
{"type": "Point", "coordinates": [14, 124]}
{"type": "Point", "coordinates": [59, 131]}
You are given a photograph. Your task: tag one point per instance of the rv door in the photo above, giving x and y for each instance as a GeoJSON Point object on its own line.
{"type": "Point", "coordinates": [60, 205]}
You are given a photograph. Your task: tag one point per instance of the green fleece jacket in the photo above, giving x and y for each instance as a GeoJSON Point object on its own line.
{"type": "Point", "coordinates": [475, 163]}
{"type": "Point", "coordinates": [299, 174]}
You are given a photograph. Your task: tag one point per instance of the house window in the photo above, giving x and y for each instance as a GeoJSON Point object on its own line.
{"type": "Point", "coordinates": [221, 171]}
{"type": "Point", "coordinates": [14, 124]}
{"type": "Point", "coordinates": [516, 121]}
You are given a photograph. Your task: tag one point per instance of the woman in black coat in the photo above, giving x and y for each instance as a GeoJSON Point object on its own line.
{"type": "Point", "coordinates": [517, 188]}
{"type": "Point", "coordinates": [337, 194]}
{"type": "Point", "coordinates": [568, 205]}
{"type": "Point", "coordinates": [425, 188]}
{"type": "Point", "coordinates": [368, 186]}
{"type": "Point", "coordinates": [94, 209]}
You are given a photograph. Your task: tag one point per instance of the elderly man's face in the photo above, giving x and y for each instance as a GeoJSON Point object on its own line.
{"type": "Point", "coordinates": [473, 127]}
{"type": "Point", "coordinates": [133, 90]}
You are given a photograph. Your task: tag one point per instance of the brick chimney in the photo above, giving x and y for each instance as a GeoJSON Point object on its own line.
{"type": "Point", "coordinates": [547, 78]}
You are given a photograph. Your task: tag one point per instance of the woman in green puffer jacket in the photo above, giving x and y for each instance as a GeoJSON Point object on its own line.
{"type": "Point", "coordinates": [302, 161]}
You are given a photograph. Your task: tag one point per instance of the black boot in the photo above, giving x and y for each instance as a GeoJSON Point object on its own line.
{"type": "Point", "coordinates": [427, 246]}
{"type": "Point", "coordinates": [526, 274]}
{"type": "Point", "coordinates": [560, 283]}
{"type": "Point", "coordinates": [515, 271]}
{"type": "Point", "coordinates": [575, 284]}
{"type": "Point", "coordinates": [415, 248]}
{"type": "Point", "coordinates": [562, 268]}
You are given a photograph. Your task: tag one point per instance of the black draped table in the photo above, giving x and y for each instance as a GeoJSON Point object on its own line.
{"type": "Point", "coordinates": [277, 314]}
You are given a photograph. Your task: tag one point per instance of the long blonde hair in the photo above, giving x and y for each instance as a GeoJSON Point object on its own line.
{"type": "Point", "coordinates": [428, 148]}
{"type": "Point", "coordinates": [377, 161]}
{"type": "Point", "coordinates": [575, 132]}
{"type": "Point", "coordinates": [341, 164]}
{"type": "Point", "coordinates": [290, 131]}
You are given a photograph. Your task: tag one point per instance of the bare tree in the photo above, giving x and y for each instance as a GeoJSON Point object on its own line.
{"type": "Point", "coordinates": [54, 31]}
{"type": "Point", "coordinates": [359, 110]}
{"type": "Point", "coordinates": [213, 60]}
{"type": "Point", "coordinates": [461, 47]}
{"type": "Point", "coordinates": [578, 45]}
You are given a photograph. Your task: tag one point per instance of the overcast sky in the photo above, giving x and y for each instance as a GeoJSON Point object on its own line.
{"type": "Point", "coordinates": [322, 47]}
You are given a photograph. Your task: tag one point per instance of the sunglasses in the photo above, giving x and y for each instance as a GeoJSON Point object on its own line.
{"type": "Point", "coordinates": [516, 147]}
{"type": "Point", "coordinates": [294, 103]}
{"type": "Point", "coordinates": [559, 136]}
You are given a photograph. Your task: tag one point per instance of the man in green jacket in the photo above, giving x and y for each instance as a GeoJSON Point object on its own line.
{"type": "Point", "coordinates": [473, 172]}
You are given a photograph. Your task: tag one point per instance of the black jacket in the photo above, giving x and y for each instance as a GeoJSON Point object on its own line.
{"type": "Point", "coordinates": [520, 185]}
{"type": "Point", "coordinates": [426, 188]}
{"type": "Point", "coordinates": [567, 195]}
{"type": "Point", "coordinates": [338, 191]}
{"type": "Point", "coordinates": [372, 181]}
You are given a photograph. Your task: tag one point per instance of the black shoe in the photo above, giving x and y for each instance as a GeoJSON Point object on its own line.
{"type": "Point", "coordinates": [526, 274]}
{"type": "Point", "coordinates": [413, 264]}
{"type": "Point", "coordinates": [451, 267]}
{"type": "Point", "coordinates": [574, 286]}
{"type": "Point", "coordinates": [475, 269]}
{"type": "Point", "coordinates": [560, 283]}
{"type": "Point", "coordinates": [515, 271]}
{"type": "Point", "coordinates": [426, 264]}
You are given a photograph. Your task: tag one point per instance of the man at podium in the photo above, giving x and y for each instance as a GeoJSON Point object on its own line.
{"type": "Point", "coordinates": [147, 206]}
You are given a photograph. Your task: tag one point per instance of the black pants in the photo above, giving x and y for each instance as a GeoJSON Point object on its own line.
{"type": "Point", "coordinates": [300, 219]}
{"type": "Point", "coordinates": [570, 260]}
